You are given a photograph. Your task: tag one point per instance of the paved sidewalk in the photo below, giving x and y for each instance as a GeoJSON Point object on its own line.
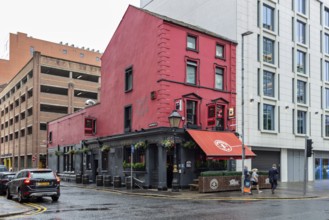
{"type": "Point", "coordinates": [317, 189]}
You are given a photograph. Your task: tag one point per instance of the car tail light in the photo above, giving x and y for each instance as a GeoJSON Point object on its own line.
{"type": "Point", "coordinates": [58, 179]}
{"type": "Point", "coordinates": [27, 181]}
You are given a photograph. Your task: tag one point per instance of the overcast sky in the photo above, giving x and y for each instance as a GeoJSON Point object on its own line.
{"type": "Point", "coordinates": [88, 23]}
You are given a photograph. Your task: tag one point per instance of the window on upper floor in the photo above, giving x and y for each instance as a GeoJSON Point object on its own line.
{"type": "Point", "coordinates": [90, 126]}
{"type": "Point", "coordinates": [301, 6]}
{"type": "Point", "coordinates": [326, 71]}
{"type": "Point", "coordinates": [191, 43]}
{"type": "Point", "coordinates": [326, 96]}
{"type": "Point", "coordinates": [127, 118]}
{"type": "Point", "coordinates": [64, 51]}
{"type": "Point", "coordinates": [128, 79]}
{"type": "Point", "coordinates": [326, 43]}
{"type": "Point", "coordinates": [268, 117]}
{"type": "Point", "coordinates": [301, 32]}
{"type": "Point", "coordinates": [301, 92]}
{"type": "Point", "coordinates": [31, 51]}
{"type": "Point", "coordinates": [219, 51]}
{"type": "Point", "coordinates": [50, 137]}
{"type": "Point", "coordinates": [268, 17]}
{"type": "Point", "coordinates": [191, 112]}
{"type": "Point", "coordinates": [191, 72]}
{"type": "Point", "coordinates": [301, 122]}
{"type": "Point", "coordinates": [301, 62]}
{"type": "Point", "coordinates": [219, 78]}
{"type": "Point", "coordinates": [326, 134]}
{"type": "Point", "coordinates": [268, 50]}
{"type": "Point", "coordinates": [326, 17]}
{"type": "Point", "coordinates": [82, 55]}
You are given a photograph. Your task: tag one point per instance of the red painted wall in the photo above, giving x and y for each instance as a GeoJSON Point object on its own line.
{"type": "Point", "coordinates": [156, 50]}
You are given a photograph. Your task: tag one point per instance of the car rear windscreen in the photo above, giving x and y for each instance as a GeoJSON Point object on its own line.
{"type": "Point", "coordinates": [42, 175]}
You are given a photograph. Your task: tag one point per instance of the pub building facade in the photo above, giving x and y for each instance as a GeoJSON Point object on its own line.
{"type": "Point", "coordinates": [154, 67]}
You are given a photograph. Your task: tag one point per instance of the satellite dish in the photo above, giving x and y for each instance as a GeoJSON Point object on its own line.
{"type": "Point", "coordinates": [90, 102]}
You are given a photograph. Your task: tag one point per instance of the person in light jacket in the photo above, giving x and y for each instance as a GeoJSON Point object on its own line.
{"type": "Point", "coordinates": [254, 179]}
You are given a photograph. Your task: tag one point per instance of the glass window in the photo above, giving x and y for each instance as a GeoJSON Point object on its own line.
{"type": "Point", "coordinates": [326, 43]}
{"type": "Point", "coordinates": [327, 126]}
{"type": "Point", "coordinates": [268, 17]}
{"type": "Point", "coordinates": [301, 92]}
{"type": "Point", "coordinates": [327, 98]}
{"type": "Point", "coordinates": [219, 78]}
{"type": "Point", "coordinates": [301, 6]}
{"type": "Point", "coordinates": [268, 50]}
{"type": "Point", "coordinates": [326, 17]}
{"type": "Point", "coordinates": [191, 113]}
{"type": "Point", "coordinates": [127, 122]}
{"type": "Point", "coordinates": [301, 122]}
{"type": "Point", "coordinates": [268, 117]}
{"type": "Point", "coordinates": [191, 70]}
{"type": "Point", "coordinates": [219, 51]}
{"type": "Point", "coordinates": [268, 83]}
{"type": "Point", "coordinates": [129, 79]}
{"type": "Point", "coordinates": [301, 32]}
{"type": "Point", "coordinates": [191, 42]}
{"type": "Point", "coordinates": [301, 61]}
{"type": "Point", "coordinates": [105, 156]}
{"type": "Point", "coordinates": [326, 71]}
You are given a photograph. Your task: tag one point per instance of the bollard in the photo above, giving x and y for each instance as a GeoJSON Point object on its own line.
{"type": "Point", "coordinates": [117, 182]}
{"type": "Point", "coordinates": [78, 178]}
{"type": "Point", "coordinates": [85, 179]}
{"type": "Point", "coordinates": [99, 180]}
{"type": "Point", "coordinates": [107, 180]}
{"type": "Point", "coordinates": [128, 182]}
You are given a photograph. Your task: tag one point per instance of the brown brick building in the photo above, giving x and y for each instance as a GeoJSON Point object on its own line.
{"type": "Point", "coordinates": [44, 89]}
{"type": "Point", "coordinates": [21, 48]}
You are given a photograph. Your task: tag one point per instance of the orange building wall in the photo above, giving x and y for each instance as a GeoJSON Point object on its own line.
{"type": "Point", "coordinates": [20, 53]}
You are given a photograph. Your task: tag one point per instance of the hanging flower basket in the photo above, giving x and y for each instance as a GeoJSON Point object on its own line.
{"type": "Point", "coordinates": [58, 153]}
{"type": "Point", "coordinates": [105, 148]}
{"type": "Point", "coordinates": [82, 150]}
{"type": "Point", "coordinates": [189, 144]}
{"type": "Point", "coordinates": [70, 152]}
{"type": "Point", "coordinates": [140, 144]}
{"type": "Point", "coordinates": [168, 143]}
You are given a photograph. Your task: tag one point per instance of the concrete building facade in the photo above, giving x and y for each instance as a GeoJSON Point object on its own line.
{"type": "Point", "coordinates": [20, 48]}
{"type": "Point", "coordinates": [44, 89]}
{"type": "Point", "coordinates": [286, 75]}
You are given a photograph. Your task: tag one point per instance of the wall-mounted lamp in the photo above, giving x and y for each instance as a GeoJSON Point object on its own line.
{"type": "Point", "coordinates": [252, 100]}
{"type": "Point", "coordinates": [316, 113]}
{"type": "Point", "coordinates": [287, 106]}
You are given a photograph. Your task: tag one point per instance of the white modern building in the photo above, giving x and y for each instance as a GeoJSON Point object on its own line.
{"type": "Point", "coordinates": [286, 69]}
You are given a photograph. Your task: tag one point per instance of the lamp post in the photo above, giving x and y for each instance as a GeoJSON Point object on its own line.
{"type": "Point", "coordinates": [242, 105]}
{"type": "Point", "coordinates": [174, 120]}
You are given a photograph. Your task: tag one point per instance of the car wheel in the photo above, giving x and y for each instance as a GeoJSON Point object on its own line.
{"type": "Point", "coordinates": [8, 194]}
{"type": "Point", "coordinates": [20, 196]}
{"type": "Point", "coordinates": [55, 198]}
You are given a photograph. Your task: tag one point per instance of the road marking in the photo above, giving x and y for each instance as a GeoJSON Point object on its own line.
{"type": "Point", "coordinates": [37, 209]}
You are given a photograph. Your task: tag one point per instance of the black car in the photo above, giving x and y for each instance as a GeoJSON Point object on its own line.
{"type": "Point", "coordinates": [34, 183]}
{"type": "Point", "coordinates": [5, 177]}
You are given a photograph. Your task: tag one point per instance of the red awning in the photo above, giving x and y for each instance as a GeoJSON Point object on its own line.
{"type": "Point", "coordinates": [220, 145]}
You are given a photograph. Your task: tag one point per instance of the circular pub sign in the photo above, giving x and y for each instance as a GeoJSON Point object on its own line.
{"type": "Point", "coordinates": [214, 184]}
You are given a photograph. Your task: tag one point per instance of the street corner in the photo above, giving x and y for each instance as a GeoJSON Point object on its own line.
{"type": "Point", "coordinates": [11, 207]}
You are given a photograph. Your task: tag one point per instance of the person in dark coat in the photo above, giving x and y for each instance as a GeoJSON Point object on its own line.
{"type": "Point", "coordinates": [273, 175]}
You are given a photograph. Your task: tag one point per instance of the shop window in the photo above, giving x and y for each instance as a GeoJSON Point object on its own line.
{"type": "Point", "coordinates": [90, 126]}
{"type": "Point", "coordinates": [105, 160]}
{"type": "Point", "coordinates": [138, 158]}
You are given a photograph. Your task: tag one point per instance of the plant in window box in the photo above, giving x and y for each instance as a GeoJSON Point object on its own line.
{"type": "Point", "coordinates": [189, 144]}
{"type": "Point", "coordinates": [139, 166]}
{"type": "Point", "coordinates": [168, 143]}
{"type": "Point", "coordinates": [58, 153]}
{"type": "Point", "coordinates": [140, 145]}
{"type": "Point", "coordinates": [126, 165]}
{"type": "Point", "coordinates": [105, 148]}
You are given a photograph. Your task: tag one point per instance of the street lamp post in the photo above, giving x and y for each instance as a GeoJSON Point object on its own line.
{"type": "Point", "coordinates": [174, 120]}
{"type": "Point", "coordinates": [242, 106]}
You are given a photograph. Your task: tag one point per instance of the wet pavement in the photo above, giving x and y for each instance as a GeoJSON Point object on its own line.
{"type": "Point", "coordinates": [316, 189]}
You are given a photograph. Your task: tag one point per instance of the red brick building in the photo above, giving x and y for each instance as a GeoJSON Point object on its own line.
{"type": "Point", "coordinates": [152, 66]}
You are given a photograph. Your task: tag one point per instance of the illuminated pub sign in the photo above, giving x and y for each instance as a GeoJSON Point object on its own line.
{"type": "Point", "coordinates": [90, 126]}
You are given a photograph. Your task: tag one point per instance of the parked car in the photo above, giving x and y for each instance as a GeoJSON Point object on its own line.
{"type": "Point", "coordinates": [3, 168]}
{"type": "Point", "coordinates": [5, 177]}
{"type": "Point", "coordinates": [34, 183]}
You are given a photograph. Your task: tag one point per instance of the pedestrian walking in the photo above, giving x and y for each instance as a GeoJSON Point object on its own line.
{"type": "Point", "coordinates": [273, 175]}
{"type": "Point", "coordinates": [254, 179]}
